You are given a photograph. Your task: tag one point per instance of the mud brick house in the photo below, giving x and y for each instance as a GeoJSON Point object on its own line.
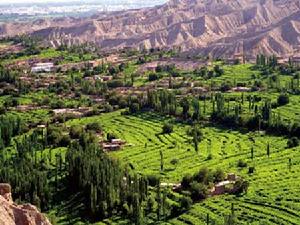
{"type": "Point", "coordinates": [224, 186]}
{"type": "Point", "coordinates": [42, 67]}
{"type": "Point", "coordinates": [113, 145]}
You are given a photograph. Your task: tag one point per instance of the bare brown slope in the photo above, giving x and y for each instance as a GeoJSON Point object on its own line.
{"type": "Point", "coordinates": [208, 26]}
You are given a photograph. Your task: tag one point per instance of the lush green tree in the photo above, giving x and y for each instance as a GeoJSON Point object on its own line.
{"type": "Point", "coordinates": [167, 128]}
{"type": "Point", "coordinates": [199, 191]}
{"type": "Point", "coordinates": [197, 135]}
{"type": "Point", "coordinates": [283, 99]}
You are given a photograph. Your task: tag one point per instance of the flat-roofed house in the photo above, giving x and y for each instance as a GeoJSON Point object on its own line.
{"type": "Point", "coordinates": [42, 67]}
{"type": "Point", "coordinates": [225, 186]}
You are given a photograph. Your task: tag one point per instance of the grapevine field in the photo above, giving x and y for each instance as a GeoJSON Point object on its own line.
{"type": "Point", "coordinates": [272, 177]}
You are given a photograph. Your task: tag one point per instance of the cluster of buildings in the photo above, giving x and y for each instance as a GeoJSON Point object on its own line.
{"type": "Point", "coordinates": [220, 188]}
{"type": "Point", "coordinates": [98, 78]}
{"type": "Point", "coordinates": [78, 112]}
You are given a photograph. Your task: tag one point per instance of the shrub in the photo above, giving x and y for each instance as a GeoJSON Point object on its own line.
{"type": "Point", "coordinates": [15, 102]}
{"type": "Point", "coordinates": [153, 180]}
{"type": "Point", "coordinates": [251, 169]}
{"type": "Point", "coordinates": [113, 100]}
{"type": "Point", "coordinates": [185, 203]}
{"type": "Point", "coordinates": [94, 126]}
{"type": "Point", "coordinates": [186, 181]}
{"type": "Point", "coordinates": [175, 210]}
{"type": "Point", "coordinates": [241, 163]}
{"type": "Point", "coordinates": [283, 99]}
{"type": "Point", "coordinates": [218, 70]}
{"type": "Point", "coordinates": [209, 157]}
{"type": "Point", "coordinates": [111, 136]}
{"type": "Point", "coordinates": [57, 104]}
{"type": "Point", "coordinates": [112, 70]}
{"type": "Point", "coordinates": [54, 135]}
{"type": "Point", "coordinates": [219, 175]}
{"type": "Point", "coordinates": [65, 141]}
{"type": "Point", "coordinates": [153, 77]}
{"type": "Point", "coordinates": [174, 162]}
{"type": "Point", "coordinates": [108, 108]}
{"type": "Point", "coordinates": [225, 86]}
{"type": "Point", "coordinates": [123, 103]}
{"type": "Point", "coordinates": [76, 131]}
{"type": "Point", "coordinates": [45, 101]}
{"type": "Point", "coordinates": [115, 83]}
{"type": "Point", "coordinates": [203, 176]}
{"type": "Point", "coordinates": [134, 108]}
{"type": "Point", "coordinates": [198, 191]}
{"type": "Point", "coordinates": [167, 128]}
{"type": "Point", "coordinates": [240, 187]}
{"type": "Point", "coordinates": [2, 110]}
{"type": "Point", "coordinates": [293, 142]}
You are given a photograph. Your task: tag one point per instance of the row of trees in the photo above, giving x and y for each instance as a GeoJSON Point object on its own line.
{"type": "Point", "coordinates": [204, 72]}
{"type": "Point", "coordinates": [27, 171]}
{"type": "Point", "coordinates": [10, 126]}
{"type": "Point", "coordinates": [107, 187]}
{"type": "Point", "coordinates": [264, 61]}
{"type": "Point", "coordinates": [230, 112]}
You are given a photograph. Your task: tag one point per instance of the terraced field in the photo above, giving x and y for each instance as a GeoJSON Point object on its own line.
{"type": "Point", "coordinates": [274, 193]}
{"type": "Point", "coordinates": [238, 73]}
{"type": "Point", "coordinates": [273, 196]}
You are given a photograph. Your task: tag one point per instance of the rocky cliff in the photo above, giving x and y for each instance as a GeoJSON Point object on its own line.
{"type": "Point", "coordinates": [13, 214]}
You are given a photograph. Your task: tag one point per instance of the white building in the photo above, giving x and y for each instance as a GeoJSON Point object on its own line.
{"type": "Point", "coordinates": [42, 67]}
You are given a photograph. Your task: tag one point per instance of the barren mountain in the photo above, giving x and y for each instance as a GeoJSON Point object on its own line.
{"type": "Point", "coordinates": [220, 27]}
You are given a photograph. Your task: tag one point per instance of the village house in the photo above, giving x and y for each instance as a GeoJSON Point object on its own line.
{"type": "Point", "coordinates": [236, 59]}
{"type": "Point", "coordinates": [79, 112]}
{"type": "Point", "coordinates": [107, 78]}
{"type": "Point", "coordinates": [163, 83]}
{"type": "Point", "coordinates": [96, 99]}
{"type": "Point", "coordinates": [71, 66]}
{"type": "Point", "coordinates": [42, 67]}
{"type": "Point", "coordinates": [94, 78]}
{"type": "Point", "coordinates": [41, 126]}
{"type": "Point", "coordinates": [113, 145]}
{"type": "Point", "coordinates": [26, 79]}
{"type": "Point", "coordinates": [95, 63]}
{"type": "Point", "coordinates": [117, 141]}
{"type": "Point", "coordinates": [150, 68]}
{"type": "Point", "coordinates": [241, 89]}
{"type": "Point", "coordinates": [199, 90]}
{"type": "Point", "coordinates": [175, 186]}
{"type": "Point", "coordinates": [26, 108]}
{"type": "Point", "coordinates": [110, 147]}
{"type": "Point", "coordinates": [224, 186]}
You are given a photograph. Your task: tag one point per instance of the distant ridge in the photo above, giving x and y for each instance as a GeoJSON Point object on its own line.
{"type": "Point", "coordinates": [218, 27]}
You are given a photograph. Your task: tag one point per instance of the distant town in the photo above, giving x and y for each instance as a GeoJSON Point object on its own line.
{"type": "Point", "coordinates": [25, 11]}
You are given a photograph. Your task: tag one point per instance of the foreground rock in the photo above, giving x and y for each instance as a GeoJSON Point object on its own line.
{"type": "Point", "coordinates": [13, 214]}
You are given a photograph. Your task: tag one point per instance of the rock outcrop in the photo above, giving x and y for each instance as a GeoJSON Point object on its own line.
{"type": "Point", "coordinates": [218, 27]}
{"type": "Point", "coordinates": [13, 214]}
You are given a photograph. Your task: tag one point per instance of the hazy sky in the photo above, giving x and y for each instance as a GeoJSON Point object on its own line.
{"type": "Point", "coordinates": [31, 1]}
{"type": "Point", "coordinates": [57, 1]}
